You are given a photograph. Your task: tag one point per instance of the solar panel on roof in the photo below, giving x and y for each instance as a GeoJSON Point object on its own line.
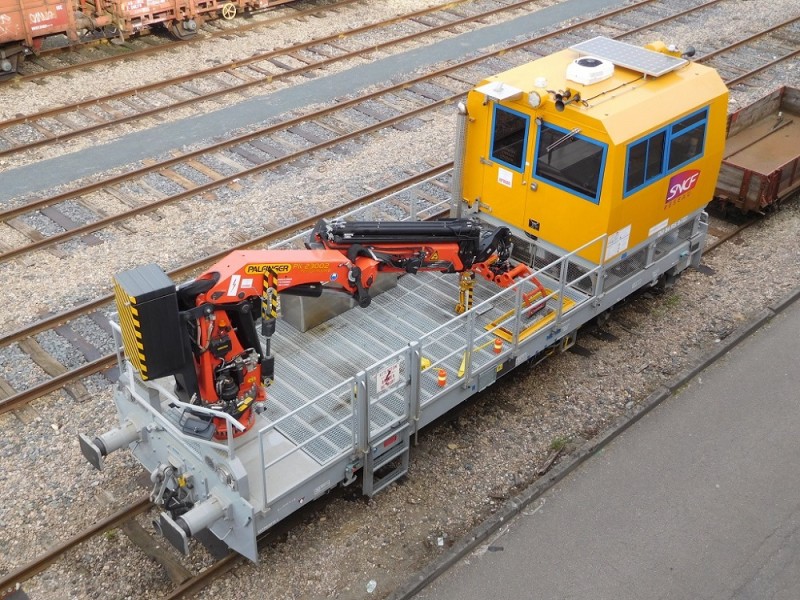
{"type": "Point", "coordinates": [629, 56]}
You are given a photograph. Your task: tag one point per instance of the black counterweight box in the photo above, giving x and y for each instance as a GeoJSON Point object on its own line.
{"type": "Point", "coordinates": [147, 304]}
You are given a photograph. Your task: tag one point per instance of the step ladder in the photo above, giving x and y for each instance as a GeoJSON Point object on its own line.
{"type": "Point", "coordinates": [372, 464]}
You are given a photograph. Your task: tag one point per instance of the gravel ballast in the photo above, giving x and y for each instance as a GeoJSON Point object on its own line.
{"type": "Point", "coordinates": [463, 469]}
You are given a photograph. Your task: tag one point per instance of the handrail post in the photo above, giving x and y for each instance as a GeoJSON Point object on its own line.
{"type": "Point", "coordinates": [263, 466]}
{"type": "Point", "coordinates": [362, 415]}
{"type": "Point", "coordinates": [470, 343]}
{"type": "Point", "coordinates": [517, 320]}
{"type": "Point", "coordinates": [562, 288]}
{"type": "Point", "coordinates": [414, 363]}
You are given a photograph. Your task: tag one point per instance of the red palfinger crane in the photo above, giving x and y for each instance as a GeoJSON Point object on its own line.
{"type": "Point", "coordinates": [213, 348]}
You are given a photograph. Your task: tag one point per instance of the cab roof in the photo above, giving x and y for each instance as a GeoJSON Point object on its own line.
{"type": "Point", "coordinates": [626, 105]}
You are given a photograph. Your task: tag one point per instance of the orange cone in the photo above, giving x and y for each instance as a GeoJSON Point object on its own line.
{"type": "Point", "coordinates": [442, 378]}
{"type": "Point", "coordinates": [498, 345]}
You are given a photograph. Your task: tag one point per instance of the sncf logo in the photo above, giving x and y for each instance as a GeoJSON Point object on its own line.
{"type": "Point", "coordinates": [680, 183]}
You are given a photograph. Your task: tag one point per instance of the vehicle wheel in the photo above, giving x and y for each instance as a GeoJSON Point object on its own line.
{"type": "Point", "coordinates": [228, 11]}
{"type": "Point", "coordinates": [9, 66]}
{"type": "Point", "coordinates": [110, 31]}
{"type": "Point", "coordinates": [603, 318]}
{"type": "Point", "coordinates": [183, 30]}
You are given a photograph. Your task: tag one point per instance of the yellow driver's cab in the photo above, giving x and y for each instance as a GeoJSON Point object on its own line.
{"type": "Point", "coordinates": [602, 138]}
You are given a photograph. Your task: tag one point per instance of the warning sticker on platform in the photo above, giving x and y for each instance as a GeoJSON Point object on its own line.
{"type": "Point", "coordinates": [618, 242]}
{"type": "Point", "coordinates": [505, 177]}
{"type": "Point", "coordinates": [388, 377]}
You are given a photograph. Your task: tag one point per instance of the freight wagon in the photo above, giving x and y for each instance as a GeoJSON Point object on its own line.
{"type": "Point", "coordinates": [26, 24]}
{"type": "Point", "coordinates": [761, 166]}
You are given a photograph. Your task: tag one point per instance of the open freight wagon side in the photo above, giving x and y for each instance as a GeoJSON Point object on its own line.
{"type": "Point", "coordinates": [25, 25]}
{"type": "Point", "coordinates": [761, 166]}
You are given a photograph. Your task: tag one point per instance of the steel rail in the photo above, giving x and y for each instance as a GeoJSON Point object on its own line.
{"type": "Point", "coordinates": [29, 570]}
{"type": "Point", "coordinates": [669, 18]}
{"type": "Point", "coordinates": [757, 70]}
{"type": "Point", "coordinates": [191, 587]}
{"type": "Point", "coordinates": [88, 228]}
{"type": "Point", "coordinates": [748, 39]}
{"type": "Point", "coordinates": [207, 35]}
{"type": "Point", "coordinates": [358, 53]}
{"type": "Point", "coordinates": [727, 236]}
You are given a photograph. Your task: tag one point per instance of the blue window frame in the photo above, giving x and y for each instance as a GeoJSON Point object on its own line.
{"type": "Point", "coordinates": [509, 137]}
{"type": "Point", "coordinates": [570, 161]}
{"type": "Point", "coordinates": [665, 150]}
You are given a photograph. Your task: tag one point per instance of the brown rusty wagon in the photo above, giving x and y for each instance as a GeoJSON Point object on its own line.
{"type": "Point", "coordinates": [26, 24]}
{"type": "Point", "coordinates": [761, 166]}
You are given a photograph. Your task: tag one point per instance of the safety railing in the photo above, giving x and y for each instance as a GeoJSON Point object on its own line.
{"type": "Point", "coordinates": [465, 345]}
{"type": "Point", "coordinates": [346, 421]}
{"type": "Point", "coordinates": [378, 401]}
{"type": "Point", "coordinates": [394, 390]}
{"type": "Point", "coordinates": [384, 395]}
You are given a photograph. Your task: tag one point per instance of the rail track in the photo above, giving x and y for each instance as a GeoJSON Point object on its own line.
{"type": "Point", "coordinates": [200, 172]}
{"type": "Point", "coordinates": [749, 57]}
{"type": "Point", "coordinates": [62, 123]}
{"type": "Point", "coordinates": [428, 184]}
{"type": "Point", "coordinates": [64, 324]}
{"type": "Point", "coordinates": [61, 59]}
{"type": "Point", "coordinates": [54, 220]}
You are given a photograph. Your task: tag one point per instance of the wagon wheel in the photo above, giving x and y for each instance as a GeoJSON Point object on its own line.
{"type": "Point", "coordinates": [181, 31]}
{"type": "Point", "coordinates": [228, 11]}
{"type": "Point", "coordinates": [110, 31]}
{"type": "Point", "coordinates": [9, 67]}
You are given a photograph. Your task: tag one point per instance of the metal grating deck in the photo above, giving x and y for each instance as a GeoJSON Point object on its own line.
{"type": "Point", "coordinates": [336, 350]}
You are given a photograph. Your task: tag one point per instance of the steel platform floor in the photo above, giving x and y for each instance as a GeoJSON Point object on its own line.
{"type": "Point", "coordinates": [338, 349]}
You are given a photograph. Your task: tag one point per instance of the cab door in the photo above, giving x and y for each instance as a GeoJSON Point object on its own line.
{"type": "Point", "coordinates": [505, 164]}
{"type": "Point", "coordinates": [562, 204]}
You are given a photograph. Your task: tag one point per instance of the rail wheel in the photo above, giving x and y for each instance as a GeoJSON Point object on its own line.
{"type": "Point", "coordinates": [228, 11]}
{"type": "Point", "coordinates": [183, 30]}
{"type": "Point", "coordinates": [110, 31]}
{"type": "Point", "coordinates": [603, 318]}
{"type": "Point", "coordinates": [9, 65]}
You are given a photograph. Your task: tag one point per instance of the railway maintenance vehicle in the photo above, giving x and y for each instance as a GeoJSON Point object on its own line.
{"type": "Point", "coordinates": [579, 178]}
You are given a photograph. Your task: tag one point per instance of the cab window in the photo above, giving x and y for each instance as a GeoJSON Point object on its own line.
{"type": "Point", "coordinates": [570, 161]}
{"type": "Point", "coordinates": [665, 150]}
{"type": "Point", "coordinates": [645, 161]}
{"type": "Point", "coordinates": [509, 137]}
{"type": "Point", "coordinates": [686, 139]}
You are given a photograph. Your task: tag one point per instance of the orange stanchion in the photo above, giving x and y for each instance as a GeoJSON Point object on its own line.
{"type": "Point", "coordinates": [442, 378]}
{"type": "Point", "coordinates": [498, 345]}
